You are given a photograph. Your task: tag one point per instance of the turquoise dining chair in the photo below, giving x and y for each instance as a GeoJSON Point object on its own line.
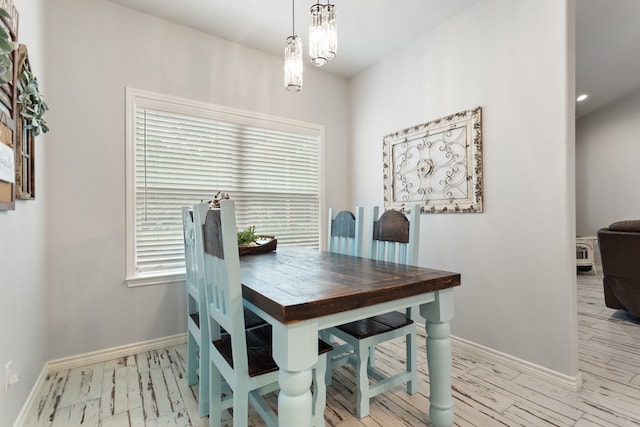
{"type": "Point", "coordinates": [393, 238]}
{"type": "Point", "coordinates": [197, 332]}
{"type": "Point", "coordinates": [240, 358]}
{"type": "Point", "coordinates": [344, 236]}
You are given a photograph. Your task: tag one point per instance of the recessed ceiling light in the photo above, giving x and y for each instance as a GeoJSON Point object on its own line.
{"type": "Point", "coordinates": [582, 97]}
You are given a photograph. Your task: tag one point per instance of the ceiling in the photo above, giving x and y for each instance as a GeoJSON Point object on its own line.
{"type": "Point", "coordinates": [607, 59]}
{"type": "Point", "coordinates": [607, 33]}
{"type": "Point", "coordinates": [367, 29]}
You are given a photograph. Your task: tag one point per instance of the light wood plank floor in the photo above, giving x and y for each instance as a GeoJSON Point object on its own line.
{"type": "Point", "coordinates": [149, 389]}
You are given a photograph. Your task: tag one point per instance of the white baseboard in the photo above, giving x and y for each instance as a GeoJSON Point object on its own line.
{"type": "Point", "coordinates": [88, 359]}
{"type": "Point", "coordinates": [567, 382]}
{"type": "Point", "coordinates": [115, 352]}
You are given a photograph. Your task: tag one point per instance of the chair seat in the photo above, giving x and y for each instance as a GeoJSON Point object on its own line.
{"type": "Point", "coordinates": [376, 325]}
{"type": "Point", "coordinates": [259, 350]}
{"type": "Point", "coordinates": [251, 319]}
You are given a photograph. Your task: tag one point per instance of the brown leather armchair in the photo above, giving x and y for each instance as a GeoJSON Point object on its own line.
{"type": "Point", "coordinates": [620, 252]}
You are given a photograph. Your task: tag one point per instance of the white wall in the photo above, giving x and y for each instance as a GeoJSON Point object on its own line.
{"type": "Point", "coordinates": [515, 59]}
{"type": "Point", "coordinates": [607, 173]}
{"type": "Point", "coordinates": [23, 282]}
{"type": "Point", "coordinates": [96, 49]}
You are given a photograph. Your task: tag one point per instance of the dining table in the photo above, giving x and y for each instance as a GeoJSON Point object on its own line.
{"type": "Point", "coordinates": [301, 291]}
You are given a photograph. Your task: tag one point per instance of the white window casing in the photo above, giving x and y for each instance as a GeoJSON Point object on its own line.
{"type": "Point", "coordinates": [180, 152]}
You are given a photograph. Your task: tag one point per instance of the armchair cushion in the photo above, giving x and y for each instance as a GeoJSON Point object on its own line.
{"type": "Point", "coordinates": [632, 226]}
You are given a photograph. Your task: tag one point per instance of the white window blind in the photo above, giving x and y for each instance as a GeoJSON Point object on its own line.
{"type": "Point", "coordinates": [270, 171]}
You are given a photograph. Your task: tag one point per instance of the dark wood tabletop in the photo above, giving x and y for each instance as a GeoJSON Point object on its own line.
{"type": "Point", "coordinates": [294, 284]}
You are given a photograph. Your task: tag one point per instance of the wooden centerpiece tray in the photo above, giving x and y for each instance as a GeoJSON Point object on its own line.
{"type": "Point", "coordinates": [263, 245]}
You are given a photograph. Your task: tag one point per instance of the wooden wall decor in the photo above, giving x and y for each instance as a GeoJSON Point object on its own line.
{"type": "Point", "coordinates": [25, 151]}
{"type": "Point", "coordinates": [8, 112]}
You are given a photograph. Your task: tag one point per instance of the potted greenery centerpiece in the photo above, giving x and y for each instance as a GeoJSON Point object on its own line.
{"type": "Point", "coordinates": [247, 237]}
{"type": "Point", "coordinates": [249, 243]}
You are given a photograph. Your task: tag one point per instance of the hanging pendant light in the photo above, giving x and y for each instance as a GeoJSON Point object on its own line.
{"type": "Point", "coordinates": [293, 59]}
{"type": "Point", "coordinates": [332, 31]}
{"type": "Point", "coordinates": [318, 41]}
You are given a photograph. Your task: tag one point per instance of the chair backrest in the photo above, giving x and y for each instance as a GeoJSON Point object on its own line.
{"type": "Point", "coordinates": [192, 284]}
{"type": "Point", "coordinates": [219, 242]}
{"type": "Point", "coordinates": [394, 237]}
{"type": "Point", "coordinates": [619, 246]}
{"type": "Point", "coordinates": [345, 232]}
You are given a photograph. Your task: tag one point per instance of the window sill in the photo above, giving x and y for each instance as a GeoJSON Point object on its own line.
{"type": "Point", "coordinates": [166, 279]}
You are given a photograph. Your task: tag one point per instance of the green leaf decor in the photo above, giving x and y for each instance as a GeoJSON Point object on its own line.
{"type": "Point", "coordinates": [33, 106]}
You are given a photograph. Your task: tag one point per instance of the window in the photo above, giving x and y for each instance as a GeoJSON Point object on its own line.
{"type": "Point", "coordinates": [181, 152]}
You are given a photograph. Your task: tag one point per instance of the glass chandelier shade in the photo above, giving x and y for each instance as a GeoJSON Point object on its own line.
{"type": "Point", "coordinates": [318, 41]}
{"type": "Point", "coordinates": [293, 64]}
{"type": "Point", "coordinates": [332, 31]}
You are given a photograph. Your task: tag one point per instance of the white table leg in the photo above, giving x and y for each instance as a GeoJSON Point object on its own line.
{"type": "Point", "coordinates": [295, 350]}
{"type": "Point", "coordinates": [437, 315]}
{"type": "Point", "coordinates": [294, 399]}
